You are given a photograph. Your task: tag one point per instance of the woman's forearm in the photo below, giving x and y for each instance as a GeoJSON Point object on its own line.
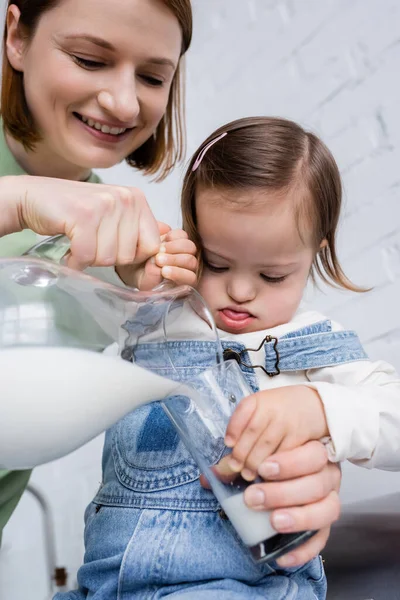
{"type": "Point", "coordinates": [10, 205]}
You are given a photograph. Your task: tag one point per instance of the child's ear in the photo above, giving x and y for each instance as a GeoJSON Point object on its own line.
{"type": "Point", "coordinates": [15, 42]}
{"type": "Point", "coordinates": [323, 244]}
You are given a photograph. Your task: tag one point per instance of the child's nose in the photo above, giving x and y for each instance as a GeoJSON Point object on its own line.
{"type": "Point", "coordinates": [241, 290]}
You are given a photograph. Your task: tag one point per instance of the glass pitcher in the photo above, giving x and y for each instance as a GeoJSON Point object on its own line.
{"type": "Point", "coordinates": [62, 335]}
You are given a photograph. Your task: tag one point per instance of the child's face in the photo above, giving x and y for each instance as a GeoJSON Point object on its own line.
{"type": "Point", "coordinates": [255, 263]}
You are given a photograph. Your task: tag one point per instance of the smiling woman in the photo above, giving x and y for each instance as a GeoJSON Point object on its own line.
{"type": "Point", "coordinates": [98, 90]}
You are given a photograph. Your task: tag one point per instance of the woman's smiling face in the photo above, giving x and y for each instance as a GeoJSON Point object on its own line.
{"type": "Point", "coordinates": [97, 76]}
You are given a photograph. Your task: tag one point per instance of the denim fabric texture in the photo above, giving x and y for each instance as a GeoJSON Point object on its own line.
{"type": "Point", "coordinates": [152, 531]}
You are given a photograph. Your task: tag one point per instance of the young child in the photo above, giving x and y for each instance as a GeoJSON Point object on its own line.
{"type": "Point", "coordinates": [261, 199]}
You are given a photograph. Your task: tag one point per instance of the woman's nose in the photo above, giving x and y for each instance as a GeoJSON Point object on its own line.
{"type": "Point", "coordinates": [121, 101]}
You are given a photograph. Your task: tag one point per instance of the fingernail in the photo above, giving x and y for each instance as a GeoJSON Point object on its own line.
{"type": "Point", "coordinates": [248, 475]}
{"type": "Point", "coordinates": [162, 248]}
{"type": "Point", "coordinates": [161, 259]}
{"type": "Point", "coordinates": [286, 561]}
{"type": "Point", "coordinates": [166, 272]}
{"type": "Point", "coordinates": [254, 497]}
{"type": "Point", "coordinates": [229, 442]}
{"type": "Point", "coordinates": [282, 521]}
{"type": "Point", "coordinates": [235, 465]}
{"type": "Point", "coordinates": [268, 469]}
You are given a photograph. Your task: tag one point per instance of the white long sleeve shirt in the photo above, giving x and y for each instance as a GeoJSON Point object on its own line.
{"type": "Point", "coordinates": [361, 399]}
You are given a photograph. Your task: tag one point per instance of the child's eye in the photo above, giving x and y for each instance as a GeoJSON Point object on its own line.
{"type": "Point", "coordinates": [214, 268]}
{"type": "Point", "coordinates": [154, 81]}
{"type": "Point", "coordinates": [273, 279]}
{"type": "Point", "coordinates": [86, 63]}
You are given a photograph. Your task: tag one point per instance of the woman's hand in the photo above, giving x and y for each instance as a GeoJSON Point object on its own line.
{"type": "Point", "coordinates": [107, 224]}
{"type": "Point", "coordinates": [301, 490]}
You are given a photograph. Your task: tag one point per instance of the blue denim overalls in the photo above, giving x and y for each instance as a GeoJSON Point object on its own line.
{"type": "Point", "coordinates": [152, 531]}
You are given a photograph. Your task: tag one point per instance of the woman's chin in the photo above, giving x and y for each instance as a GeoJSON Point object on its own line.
{"type": "Point", "coordinates": [98, 161]}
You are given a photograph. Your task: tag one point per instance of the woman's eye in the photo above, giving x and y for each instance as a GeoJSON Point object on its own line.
{"type": "Point", "coordinates": [86, 63]}
{"type": "Point", "coordinates": [154, 81]}
{"type": "Point", "coordinates": [273, 279]}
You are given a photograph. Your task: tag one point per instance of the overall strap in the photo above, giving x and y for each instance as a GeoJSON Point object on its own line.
{"type": "Point", "coordinates": [310, 347]}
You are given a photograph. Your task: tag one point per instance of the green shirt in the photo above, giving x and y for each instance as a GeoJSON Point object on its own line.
{"type": "Point", "coordinates": [16, 244]}
{"type": "Point", "coordinates": [13, 483]}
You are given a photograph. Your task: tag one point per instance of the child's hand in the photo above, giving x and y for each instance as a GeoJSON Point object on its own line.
{"type": "Point", "coordinates": [177, 258]}
{"type": "Point", "coordinates": [176, 261]}
{"type": "Point", "coordinates": [271, 421]}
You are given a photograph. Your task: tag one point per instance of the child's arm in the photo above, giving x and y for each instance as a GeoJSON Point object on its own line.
{"type": "Point", "coordinates": [362, 407]}
{"type": "Point", "coordinates": [272, 421]}
{"type": "Point", "coordinates": [359, 403]}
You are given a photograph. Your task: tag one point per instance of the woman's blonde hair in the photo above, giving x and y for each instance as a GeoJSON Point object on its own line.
{"type": "Point", "coordinates": [274, 154]}
{"type": "Point", "coordinates": [159, 154]}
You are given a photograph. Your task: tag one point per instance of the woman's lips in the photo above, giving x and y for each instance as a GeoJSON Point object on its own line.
{"type": "Point", "coordinates": [105, 137]}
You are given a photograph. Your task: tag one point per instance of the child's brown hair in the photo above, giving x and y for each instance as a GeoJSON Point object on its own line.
{"type": "Point", "coordinates": [277, 155]}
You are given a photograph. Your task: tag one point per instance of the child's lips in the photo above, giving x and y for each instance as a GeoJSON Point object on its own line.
{"type": "Point", "coordinates": [234, 320]}
{"type": "Point", "coordinates": [235, 315]}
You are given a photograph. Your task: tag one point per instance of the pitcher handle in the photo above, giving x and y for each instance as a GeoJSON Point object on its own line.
{"type": "Point", "coordinates": [52, 248]}
{"type": "Point", "coordinates": [55, 249]}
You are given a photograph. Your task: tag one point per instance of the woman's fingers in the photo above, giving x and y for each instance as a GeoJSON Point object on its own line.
{"type": "Point", "coordinates": [306, 551]}
{"type": "Point", "coordinates": [304, 460]}
{"type": "Point", "coordinates": [106, 224]}
{"type": "Point", "coordinates": [293, 492]}
{"type": "Point", "coordinates": [108, 236]}
{"type": "Point", "coordinates": [128, 233]}
{"type": "Point", "coordinates": [148, 241]}
{"type": "Point", "coordinates": [315, 515]}
{"type": "Point", "coordinates": [302, 496]}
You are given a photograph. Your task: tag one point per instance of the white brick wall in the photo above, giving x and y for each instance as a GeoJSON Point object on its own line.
{"type": "Point", "coordinates": [334, 66]}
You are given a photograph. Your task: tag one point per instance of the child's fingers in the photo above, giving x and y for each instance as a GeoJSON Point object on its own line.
{"type": "Point", "coordinates": [163, 228]}
{"type": "Point", "coordinates": [183, 261]}
{"type": "Point", "coordinates": [268, 442]}
{"type": "Point", "coordinates": [174, 234]}
{"type": "Point", "coordinates": [239, 420]}
{"type": "Point", "coordinates": [179, 275]}
{"type": "Point", "coordinates": [179, 246]}
{"type": "Point", "coordinates": [256, 429]}
{"type": "Point", "coordinates": [252, 430]}
{"type": "Point", "coordinates": [291, 439]}
{"type": "Point", "coordinates": [222, 471]}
